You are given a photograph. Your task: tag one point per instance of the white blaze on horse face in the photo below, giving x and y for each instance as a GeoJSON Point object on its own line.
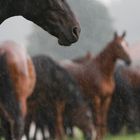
{"type": "Point", "coordinates": [125, 46]}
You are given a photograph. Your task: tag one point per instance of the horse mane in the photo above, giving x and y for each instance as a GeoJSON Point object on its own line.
{"type": "Point", "coordinates": [105, 52]}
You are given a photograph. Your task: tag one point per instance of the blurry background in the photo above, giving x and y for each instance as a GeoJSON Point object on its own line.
{"type": "Point", "coordinates": [98, 18]}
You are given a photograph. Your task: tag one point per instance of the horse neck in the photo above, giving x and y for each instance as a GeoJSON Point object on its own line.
{"type": "Point", "coordinates": [106, 61]}
{"type": "Point", "coordinates": [9, 8]}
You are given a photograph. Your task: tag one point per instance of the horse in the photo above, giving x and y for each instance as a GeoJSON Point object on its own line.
{"type": "Point", "coordinates": [17, 80]}
{"type": "Point", "coordinates": [96, 78]}
{"type": "Point", "coordinates": [124, 109]}
{"type": "Point", "coordinates": [54, 16]}
{"type": "Point", "coordinates": [83, 59]}
{"type": "Point", "coordinates": [58, 90]}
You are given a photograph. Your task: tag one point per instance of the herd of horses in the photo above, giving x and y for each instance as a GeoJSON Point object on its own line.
{"type": "Point", "coordinates": [88, 92]}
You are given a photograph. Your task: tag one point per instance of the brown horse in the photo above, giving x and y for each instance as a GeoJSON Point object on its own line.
{"type": "Point", "coordinates": [96, 78]}
{"type": "Point", "coordinates": [54, 16]}
{"type": "Point", "coordinates": [17, 81]}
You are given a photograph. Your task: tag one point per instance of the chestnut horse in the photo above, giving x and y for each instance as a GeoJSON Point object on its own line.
{"type": "Point", "coordinates": [96, 79]}
{"type": "Point", "coordinates": [54, 16]}
{"type": "Point", "coordinates": [125, 106]}
{"type": "Point", "coordinates": [56, 88]}
{"type": "Point", "coordinates": [17, 80]}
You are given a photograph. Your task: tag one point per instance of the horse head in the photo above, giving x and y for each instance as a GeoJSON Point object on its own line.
{"type": "Point", "coordinates": [56, 17]}
{"type": "Point", "coordinates": [121, 47]}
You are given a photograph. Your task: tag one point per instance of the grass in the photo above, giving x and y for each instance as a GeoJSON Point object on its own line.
{"type": "Point", "coordinates": [78, 136]}
{"type": "Point", "coordinates": [118, 137]}
{"type": "Point", "coordinates": [124, 137]}
{"type": "Point", "coordinates": [109, 137]}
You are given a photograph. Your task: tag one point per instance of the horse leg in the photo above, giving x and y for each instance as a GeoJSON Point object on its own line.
{"type": "Point", "coordinates": [17, 127]}
{"type": "Point", "coordinates": [51, 127]}
{"type": "Point", "coordinates": [27, 126]}
{"type": "Point", "coordinates": [42, 128]}
{"type": "Point", "coordinates": [35, 133]}
{"type": "Point", "coordinates": [104, 110]}
{"type": "Point", "coordinates": [23, 107]}
{"type": "Point", "coordinates": [14, 128]}
{"type": "Point", "coordinates": [27, 130]}
{"type": "Point", "coordinates": [97, 118]}
{"type": "Point", "coordinates": [13, 116]}
{"type": "Point", "coordinates": [71, 133]}
{"type": "Point", "coordinates": [59, 127]}
{"type": "Point", "coordinates": [5, 129]}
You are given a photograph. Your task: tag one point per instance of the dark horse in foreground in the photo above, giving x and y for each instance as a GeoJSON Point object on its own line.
{"type": "Point", "coordinates": [54, 16]}
{"type": "Point", "coordinates": [125, 106]}
{"type": "Point", "coordinates": [96, 79]}
{"type": "Point", "coordinates": [17, 80]}
{"type": "Point", "coordinates": [58, 90]}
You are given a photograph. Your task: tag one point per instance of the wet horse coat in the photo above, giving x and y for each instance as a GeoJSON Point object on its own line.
{"type": "Point", "coordinates": [54, 16]}
{"type": "Point", "coordinates": [17, 81]}
{"type": "Point", "coordinates": [96, 79]}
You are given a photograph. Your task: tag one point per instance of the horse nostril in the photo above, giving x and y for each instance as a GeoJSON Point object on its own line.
{"type": "Point", "coordinates": [76, 32]}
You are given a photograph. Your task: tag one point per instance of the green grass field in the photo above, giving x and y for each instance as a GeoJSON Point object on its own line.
{"type": "Point", "coordinates": [78, 136]}
{"type": "Point", "coordinates": [109, 137]}
{"type": "Point", "coordinates": [124, 137]}
{"type": "Point", "coordinates": [119, 137]}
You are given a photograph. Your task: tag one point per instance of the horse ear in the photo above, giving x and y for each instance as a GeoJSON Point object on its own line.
{"type": "Point", "coordinates": [115, 35]}
{"type": "Point", "coordinates": [124, 34]}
